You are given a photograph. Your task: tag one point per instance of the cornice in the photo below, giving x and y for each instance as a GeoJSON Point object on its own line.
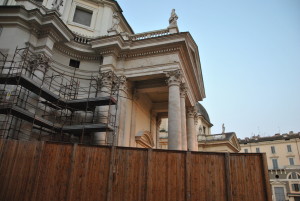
{"type": "Point", "coordinates": [40, 22]}
{"type": "Point", "coordinates": [133, 54]}
{"type": "Point", "coordinates": [76, 54]}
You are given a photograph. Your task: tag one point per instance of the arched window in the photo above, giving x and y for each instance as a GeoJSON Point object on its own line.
{"type": "Point", "coordinates": [293, 175]}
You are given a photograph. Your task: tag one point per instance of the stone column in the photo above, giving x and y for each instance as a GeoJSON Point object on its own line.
{"type": "Point", "coordinates": [174, 116]}
{"type": "Point", "coordinates": [191, 136]}
{"type": "Point", "coordinates": [183, 92]}
{"type": "Point", "coordinates": [196, 131]}
{"type": "Point", "coordinates": [102, 112]}
{"type": "Point", "coordinates": [153, 128]}
{"type": "Point", "coordinates": [158, 122]}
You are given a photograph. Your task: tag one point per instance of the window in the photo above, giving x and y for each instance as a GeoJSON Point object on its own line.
{"type": "Point", "coordinates": [279, 194]}
{"type": "Point", "coordinates": [294, 175]}
{"type": "Point", "coordinates": [289, 148]}
{"type": "Point", "coordinates": [273, 150]}
{"type": "Point", "coordinates": [83, 16]}
{"type": "Point", "coordinates": [246, 150]}
{"type": "Point", "coordinates": [257, 150]}
{"type": "Point", "coordinates": [275, 163]}
{"type": "Point", "coordinates": [296, 187]}
{"type": "Point", "coordinates": [291, 160]}
{"type": "Point", "coordinates": [204, 130]}
{"type": "Point", "coordinates": [74, 63]}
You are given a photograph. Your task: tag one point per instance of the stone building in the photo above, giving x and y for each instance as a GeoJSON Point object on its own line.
{"type": "Point", "coordinates": [283, 159]}
{"type": "Point", "coordinates": [82, 74]}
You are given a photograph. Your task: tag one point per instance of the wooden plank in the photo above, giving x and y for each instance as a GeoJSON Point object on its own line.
{"type": "Point", "coordinates": [228, 177]}
{"type": "Point", "coordinates": [21, 172]}
{"type": "Point", "coordinates": [69, 191]}
{"type": "Point", "coordinates": [148, 178]}
{"type": "Point", "coordinates": [188, 176]}
{"type": "Point", "coordinates": [111, 174]}
{"type": "Point", "coordinates": [6, 167]}
{"type": "Point", "coordinates": [34, 173]}
{"type": "Point", "coordinates": [266, 179]}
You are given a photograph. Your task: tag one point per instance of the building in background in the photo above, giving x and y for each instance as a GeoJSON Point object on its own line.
{"type": "Point", "coordinates": [283, 159]}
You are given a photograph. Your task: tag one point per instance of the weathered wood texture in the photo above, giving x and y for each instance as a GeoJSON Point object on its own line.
{"type": "Point", "coordinates": [45, 171]}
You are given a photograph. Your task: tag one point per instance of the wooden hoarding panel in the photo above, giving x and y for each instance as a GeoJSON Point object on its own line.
{"type": "Point", "coordinates": [129, 175]}
{"type": "Point", "coordinates": [90, 174]}
{"type": "Point", "coordinates": [34, 171]}
{"type": "Point", "coordinates": [208, 177]}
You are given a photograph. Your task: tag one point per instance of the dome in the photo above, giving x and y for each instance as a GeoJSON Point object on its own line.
{"type": "Point", "coordinates": [202, 111]}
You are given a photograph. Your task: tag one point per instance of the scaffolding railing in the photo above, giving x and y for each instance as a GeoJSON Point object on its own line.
{"type": "Point", "coordinates": [38, 102]}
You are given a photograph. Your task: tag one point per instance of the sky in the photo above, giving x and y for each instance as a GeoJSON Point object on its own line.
{"type": "Point", "coordinates": [250, 58]}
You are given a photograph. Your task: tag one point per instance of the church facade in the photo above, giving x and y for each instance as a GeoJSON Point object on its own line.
{"type": "Point", "coordinates": [76, 71]}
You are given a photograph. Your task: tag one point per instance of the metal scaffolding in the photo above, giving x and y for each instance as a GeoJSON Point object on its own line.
{"type": "Point", "coordinates": [38, 102]}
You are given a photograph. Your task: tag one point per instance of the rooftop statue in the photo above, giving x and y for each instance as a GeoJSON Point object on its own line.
{"type": "Point", "coordinates": [173, 19]}
{"type": "Point", "coordinates": [223, 128]}
{"type": "Point", "coordinates": [56, 4]}
{"type": "Point", "coordinates": [115, 22]}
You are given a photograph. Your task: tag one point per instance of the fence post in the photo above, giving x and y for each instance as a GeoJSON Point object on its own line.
{"type": "Point", "coordinates": [71, 173]}
{"type": "Point", "coordinates": [148, 189]}
{"type": "Point", "coordinates": [188, 176]}
{"type": "Point", "coordinates": [228, 177]}
{"type": "Point", "coordinates": [266, 179]}
{"type": "Point", "coordinates": [38, 170]}
{"type": "Point", "coordinates": [111, 173]}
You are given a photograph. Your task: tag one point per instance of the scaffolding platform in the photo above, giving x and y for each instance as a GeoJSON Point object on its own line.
{"type": "Point", "coordinates": [77, 104]}
{"type": "Point", "coordinates": [71, 129]}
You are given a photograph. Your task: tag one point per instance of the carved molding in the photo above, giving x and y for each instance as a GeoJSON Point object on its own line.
{"type": "Point", "coordinates": [147, 53]}
{"type": "Point", "coordinates": [76, 54]}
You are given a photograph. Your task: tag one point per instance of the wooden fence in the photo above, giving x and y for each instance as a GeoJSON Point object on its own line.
{"type": "Point", "coordinates": [46, 171]}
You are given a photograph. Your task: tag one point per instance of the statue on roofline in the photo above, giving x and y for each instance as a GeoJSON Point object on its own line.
{"type": "Point", "coordinates": [173, 19]}
{"type": "Point", "coordinates": [56, 4]}
{"type": "Point", "coordinates": [115, 22]}
{"type": "Point", "coordinates": [223, 128]}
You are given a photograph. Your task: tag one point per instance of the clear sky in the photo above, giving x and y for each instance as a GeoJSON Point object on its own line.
{"type": "Point", "coordinates": [250, 57]}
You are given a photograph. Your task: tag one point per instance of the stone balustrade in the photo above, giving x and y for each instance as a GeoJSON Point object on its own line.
{"type": "Point", "coordinates": [152, 34]}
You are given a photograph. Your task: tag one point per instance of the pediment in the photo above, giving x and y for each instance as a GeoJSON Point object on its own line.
{"type": "Point", "coordinates": [144, 139]}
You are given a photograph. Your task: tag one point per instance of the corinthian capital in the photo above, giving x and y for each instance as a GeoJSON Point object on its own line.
{"type": "Point", "coordinates": [183, 90]}
{"type": "Point", "coordinates": [123, 83]}
{"type": "Point", "coordinates": [174, 77]}
{"type": "Point", "coordinates": [39, 62]}
{"type": "Point", "coordinates": [191, 112]}
{"type": "Point", "coordinates": [106, 79]}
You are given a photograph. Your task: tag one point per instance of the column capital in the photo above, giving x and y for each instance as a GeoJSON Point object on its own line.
{"type": "Point", "coordinates": [106, 78]}
{"type": "Point", "coordinates": [122, 83]}
{"type": "Point", "coordinates": [191, 112]}
{"type": "Point", "coordinates": [39, 61]}
{"type": "Point", "coordinates": [183, 90]}
{"type": "Point", "coordinates": [196, 118]}
{"type": "Point", "coordinates": [174, 77]}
